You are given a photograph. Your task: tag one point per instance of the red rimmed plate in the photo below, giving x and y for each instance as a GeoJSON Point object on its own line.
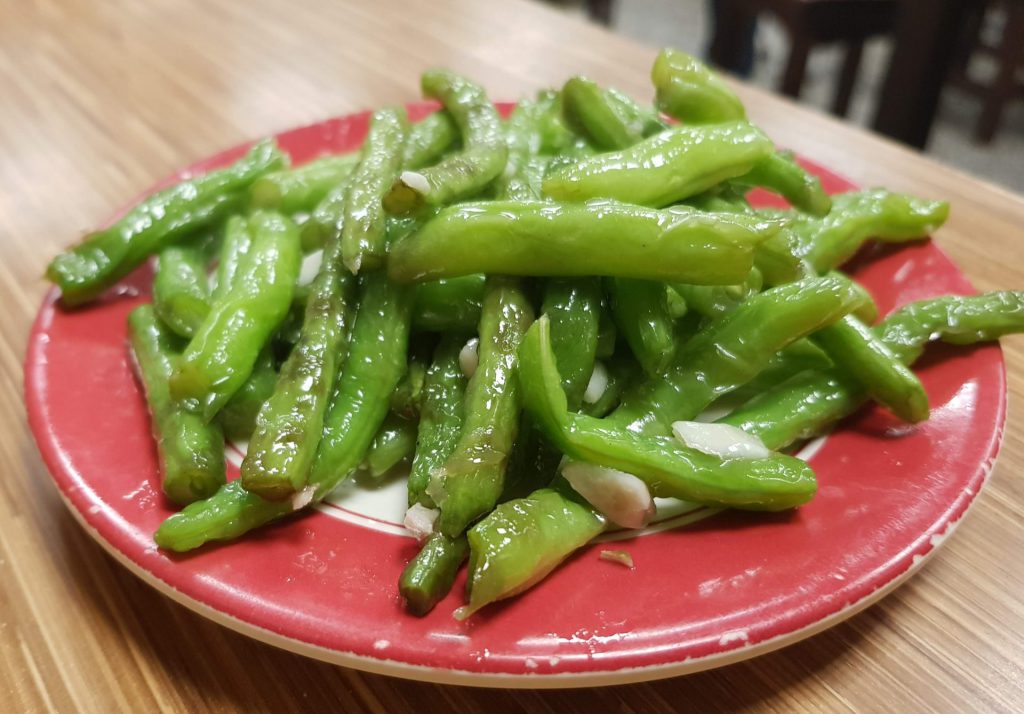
{"type": "Point", "coordinates": [718, 588]}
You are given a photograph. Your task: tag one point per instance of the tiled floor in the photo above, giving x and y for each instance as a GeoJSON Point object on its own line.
{"type": "Point", "coordinates": [683, 24]}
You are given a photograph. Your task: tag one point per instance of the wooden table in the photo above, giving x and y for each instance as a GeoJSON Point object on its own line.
{"type": "Point", "coordinates": [101, 99]}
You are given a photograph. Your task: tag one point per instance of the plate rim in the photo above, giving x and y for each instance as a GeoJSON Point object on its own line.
{"type": "Point", "coordinates": [33, 389]}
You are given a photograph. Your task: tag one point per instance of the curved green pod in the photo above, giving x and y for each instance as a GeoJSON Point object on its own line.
{"type": "Point", "coordinates": [585, 239]}
{"type": "Point", "coordinates": [687, 90]}
{"type": "Point", "coordinates": [104, 257]}
{"type": "Point", "coordinates": [680, 162]}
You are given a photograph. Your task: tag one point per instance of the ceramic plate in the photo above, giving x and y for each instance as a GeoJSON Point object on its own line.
{"type": "Point", "coordinates": [714, 588]}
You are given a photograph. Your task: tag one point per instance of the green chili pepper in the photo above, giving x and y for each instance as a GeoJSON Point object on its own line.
{"type": "Point", "coordinates": [792, 359]}
{"type": "Point", "coordinates": [375, 364]}
{"type": "Point", "coordinates": [854, 348]}
{"type": "Point", "coordinates": [407, 398]}
{"type": "Point", "coordinates": [191, 451]}
{"type": "Point", "coordinates": [952, 319]}
{"type": "Point", "coordinates": [235, 245]}
{"type": "Point", "coordinates": [557, 138]}
{"type": "Point", "coordinates": [429, 139]}
{"type": "Point", "coordinates": [328, 218]}
{"type": "Point", "coordinates": [574, 308]}
{"type": "Point", "coordinates": [687, 90]}
{"type": "Point", "coordinates": [221, 356]}
{"type": "Point", "coordinates": [452, 304]}
{"type": "Point", "coordinates": [429, 576]}
{"type": "Point", "coordinates": [621, 372]}
{"type": "Point", "coordinates": [363, 231]}
{"type": "Point", "coordinates": [778, 258]}
{"type": "Point", "coordinates": [466, 173]}
{"type": "Point", "coordinates": [238, 417]}
{"type": "Point", "coordinates": [289, 426]}
{"type": "Point", "coordinates": [592, 112]}
{"type": "Point", "coordinates": [586, 239]}
{"type": "Point", "coordinates": [809, 403]}
{"type": "Point", "coordinates": [665, 168]}
{"type": "Point", "coordinates": [227, 514]}
{"type": "Point", "coordinates": [469, 483]}
{"type": "Point", "coordinates": [734, 349]}
{"type": "Point", "coordinates": [523, 138]}
{"type": "Point", "coordinates": [781, 174]}
{"type": "Point", "coordinates": [441, 416]}
{"type": "Point", "coordinates": [181, 291]}
{"type": "Point", "coordinates": [641, 312]}
{"type": "Point", "coordinates": [607, 334]}
{"type": "Point", "coordinates": [521, 541]}
{"type": "Point", "coordinates": [855, 217]}
{"type": "Point", "coordinates": [668, 468]}
{"type": "Point", "coordinates": [717, 300]}
{"type": "Point", "coordinates": [302, 188]}
{"type": "Point", "coordinates": [104, 257]}
{"type": "Point", "coordinates": [394, 442]}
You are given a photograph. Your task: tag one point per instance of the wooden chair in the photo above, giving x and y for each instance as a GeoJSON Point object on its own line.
{"type": "Point", "coordinates": [1008, 53]}
{"type": "Point", "coordinates": [808, 23]}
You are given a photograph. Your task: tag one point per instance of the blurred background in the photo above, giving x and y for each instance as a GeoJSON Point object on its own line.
{"type": "Point", "coordinates": [946, 77]}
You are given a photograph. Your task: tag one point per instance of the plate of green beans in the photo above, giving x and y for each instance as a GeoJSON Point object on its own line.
{"type": "Point", "coordinates": [577, 390]}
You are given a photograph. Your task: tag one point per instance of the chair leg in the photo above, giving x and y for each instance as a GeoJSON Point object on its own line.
{"type": "Point", "coordinates": [796, 65]}
{"type": "Point", "coordinates": [599, 11]}
{"type": "Point", "coordinates": [847, 77]}
{"type": "Point", "coordinates": [1004, 88]}
{"type": "Point", "coordinates": [731, 33]}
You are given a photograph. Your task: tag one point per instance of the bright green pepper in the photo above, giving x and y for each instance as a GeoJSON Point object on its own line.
{"type": "Point", "coordinates": [807, 404]}
{"type": "Point", "coordinates": [375, 365]}
{"type": "Point", "coordinates": [717, 300]}
{"type": "Point", "coordinates": [429, 139]}
{"type": "Point", "coordinates": [641, 312]}
{"type": "Point", "coordinates": [669, 469]}
{"type": "Point", "coordinates": [523, 138]}
{"type": "Point", "coordinates": [104, 257]}
{"type": "Point", "coordinates": [687, 90]}
{"type": "Point", "coordinates": [586, 239]}
{"type": "Point", "coordinates": [407, 398]}
{"type": "Point", "coordinates": [952, 319]}
{"type": "Point", "coordinates": [469, 483]}
{"type": "Point", "coordinates": [301, 188]}
{"type": "Point", "coordinates": [521, 541]}
{"type": "Point", "coordinates": [463, 174]}
{"type": "Point", "coordinates": [734, 349]}
{"type": "Point", "coordinates": [363, 232]}
{"type": "Point", "coordinates": [441, 416]}
{"type": "Point", "coordinates": [781, 174]}
{"type": "Point", "coordinates": [234, 246]}
{"type": "Point", "coordinates": [191, 451]}
{"type": "Point", "coordinates": [621, 372]}
{"type": "Point", "coordinates": [238, 417]}
{"type": "Point", "coordinates": [592, 112]}
{"type": "Point", "coordinates": [665, 168]}
{"type": "Point", "coordinates": [181, 291]}
{"type": "Point", "coordinates": [854, 348]}
{"type": "Point", "coordinates": [221, 356]}
{"type": "Point", "coordinates": [429, 576]}
{"type": "Point", "coordinates": [574, 308]}
{"type": "Point", "coordinates": [291, 422]}
{"type": "Point", "coordinates": [452, 304]}
{"type": "Point", "coordinates": [856, 217]}
{"type": "Point", "coordinates": [394, 442]}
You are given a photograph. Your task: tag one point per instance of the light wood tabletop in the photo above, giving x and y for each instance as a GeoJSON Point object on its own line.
{"type": "Point", "coordinates": [98, 100]}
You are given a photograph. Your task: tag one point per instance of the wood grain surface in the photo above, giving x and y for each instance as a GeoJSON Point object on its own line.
{"type": "Point", "coordinates": [100, 99]}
